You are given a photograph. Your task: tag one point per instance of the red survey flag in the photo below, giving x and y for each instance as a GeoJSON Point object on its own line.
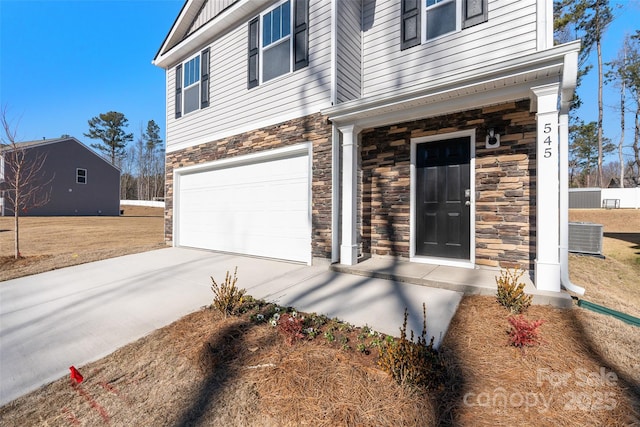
{"type": "Point", "coordinates": [76, 375]}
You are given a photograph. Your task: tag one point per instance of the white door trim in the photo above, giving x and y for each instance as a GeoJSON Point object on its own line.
{"type": "Point", "coordinates": [471, 133]}
{"type": "Point", "coordinates": [305, 148]}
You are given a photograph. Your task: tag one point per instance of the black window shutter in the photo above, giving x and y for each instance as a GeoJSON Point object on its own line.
{"type": "Point", "coordinates": [301, 34]}
{"type": "Point", "coordinates": [178, 91]}
{"type": "Point", "coordinates": [204, 79]}
{"type": "Point", "coordinates": [474, 12]}
{"type": "Point", "coordinates": [254, 40]}
{"type": "Point", "coordinates": [410, 23]}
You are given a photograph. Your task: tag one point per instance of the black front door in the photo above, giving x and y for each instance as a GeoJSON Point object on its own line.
{"type": "Point", "coordinates": [442, 196]}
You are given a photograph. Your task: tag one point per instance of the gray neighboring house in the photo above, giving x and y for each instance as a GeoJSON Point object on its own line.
{"type": "Point", "coordinates": [82, 182]}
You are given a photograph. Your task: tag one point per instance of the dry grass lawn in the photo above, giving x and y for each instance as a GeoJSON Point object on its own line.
{"type": "Point", "coordinates": [208, 370]}
{"type": "Point", "coordinates": [47, 243]}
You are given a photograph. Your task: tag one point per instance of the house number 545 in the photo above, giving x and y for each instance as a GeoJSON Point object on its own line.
{"type": "Point", "coordinates": [547, 149]}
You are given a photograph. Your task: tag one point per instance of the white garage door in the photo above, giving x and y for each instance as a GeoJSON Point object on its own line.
{"type": "Point", "coordinates": [260, 208]}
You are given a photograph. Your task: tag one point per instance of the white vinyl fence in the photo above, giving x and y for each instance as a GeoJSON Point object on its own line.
{"type": "Point", "coordinates": [593, 198]}
{"type": "Point", "coordinates": [154, 204]}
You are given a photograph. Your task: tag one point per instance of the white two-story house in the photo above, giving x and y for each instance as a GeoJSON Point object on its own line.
{"type": "Point", "coordinates": [331, 130]}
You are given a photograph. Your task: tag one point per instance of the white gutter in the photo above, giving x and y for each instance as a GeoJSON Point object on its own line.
{"type": "Point", "coordinates": [569, 80]}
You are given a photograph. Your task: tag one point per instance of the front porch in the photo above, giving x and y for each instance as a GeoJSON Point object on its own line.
{"type": "Point", "coordinates": [478, 281]}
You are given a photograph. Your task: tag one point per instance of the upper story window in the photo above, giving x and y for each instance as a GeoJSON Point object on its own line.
{"type": "Point", "coordinates": [192, 84]}
{"type": "Point", "coordinates": [441, 17]}
{"type": "Point", "coordinates": [425, 20]}
{"type": "Point", "coordinates": [278, 41]}
{"type": "Point", "coordinates": [81, 176]}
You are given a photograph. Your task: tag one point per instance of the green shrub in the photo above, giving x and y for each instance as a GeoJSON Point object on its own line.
{"type": "Point", "coordinates": [227, 297]}
{"type": "Point", "coordinates": [408, 362]}
{"type": "Point", "coordinates": [511, 292]}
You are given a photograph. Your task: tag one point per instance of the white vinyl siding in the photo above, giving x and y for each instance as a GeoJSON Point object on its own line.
{"type": "Point", "coordinates": [349, 51]}
{"type": "Point", "coordinates": [209, 10]}
{"type": "Point", "coordinates": [233, 108]}
{"type": "Point", "coordinates": [509, 32]}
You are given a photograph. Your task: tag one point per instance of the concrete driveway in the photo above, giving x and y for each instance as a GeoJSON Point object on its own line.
{"type": "Point", "coordinates": [79, 314]}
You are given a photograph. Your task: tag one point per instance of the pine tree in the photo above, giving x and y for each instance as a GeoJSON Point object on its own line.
{"type": "Point", "coordinates": [589, 19]}
{"type": "Point", "coordinates": [109, 129]}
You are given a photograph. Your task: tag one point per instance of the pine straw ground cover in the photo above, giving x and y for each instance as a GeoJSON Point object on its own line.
{"type": "Point", "coordinates": [209, 370]}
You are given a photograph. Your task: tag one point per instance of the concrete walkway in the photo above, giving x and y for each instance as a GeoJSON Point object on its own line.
{"type": "Point", "coordinates": [79, 314]}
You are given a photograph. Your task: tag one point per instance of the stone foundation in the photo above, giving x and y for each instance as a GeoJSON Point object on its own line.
{"type": "Point", "coordinates": [313, 128]}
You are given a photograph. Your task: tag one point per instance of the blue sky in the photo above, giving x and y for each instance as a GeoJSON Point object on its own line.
{"type": "Point", "coordinates": [63, 62]}
{"type": "Point", "coordinates": [627, 21]}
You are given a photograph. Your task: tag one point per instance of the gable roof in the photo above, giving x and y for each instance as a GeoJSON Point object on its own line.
{"type": "Point", "coordinates": [201, 21]}
{"type": "Point", "coordinates": [42, 142]}
{"type": "Point", "coordinates": [31, 144]}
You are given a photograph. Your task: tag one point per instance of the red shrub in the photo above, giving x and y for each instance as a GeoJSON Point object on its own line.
{"type": "Point", "coordinates": [524, 333]}
{"type": "Point", "coordinates": [291, 328]}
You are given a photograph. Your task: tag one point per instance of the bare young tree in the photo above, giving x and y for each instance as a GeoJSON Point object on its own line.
{"type": "Point", "coordinates": [23, 182]}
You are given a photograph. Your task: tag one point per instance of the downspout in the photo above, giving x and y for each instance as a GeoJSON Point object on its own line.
{"type": "Point", "coordinates": [335, 142]}
{"type": "Point", "coordinates": [569, 79]}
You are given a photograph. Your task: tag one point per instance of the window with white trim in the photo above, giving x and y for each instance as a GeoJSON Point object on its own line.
{"type": "Point", "coordinates": [191, 97]}
{"type": "Point", "coordinates": [424, 20]}
{"type": "Point", "coordinates": [440, 18]}
{"type": "Point", "coordinates": [192, 84]}
{"type": "Point", "coordinates": [81, 176]}
{"type": "Point", "coordinates": [278, 41]}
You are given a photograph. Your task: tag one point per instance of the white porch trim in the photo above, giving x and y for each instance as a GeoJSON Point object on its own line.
{"type": "Point", "coordinates": [547, 262]}
{"type": "Point", "coordinates": [349, 247]}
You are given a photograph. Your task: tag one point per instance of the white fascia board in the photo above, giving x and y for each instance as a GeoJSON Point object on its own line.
{"type": "Point", "coordinates": [230, 18]}
{"type": "Point", "coordinates": [569, 81]}
{"type": "Point", "coordinates": [547, 63]}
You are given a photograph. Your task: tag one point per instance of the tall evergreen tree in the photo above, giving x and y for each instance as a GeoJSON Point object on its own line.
{"type": "Point", "coordinates": [589, 19]}
{"type": "Point", "coordinates": [152, 135]}
{"type": "Point", "coordinates": [153, 160]}
{"type": "Point", "coordinates": [109, 129]}
{"type": "Point", "coordinates": [632, 78]}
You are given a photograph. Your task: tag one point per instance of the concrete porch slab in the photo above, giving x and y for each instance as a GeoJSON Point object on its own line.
{"type": "Point", "coordinates": [470, 281]}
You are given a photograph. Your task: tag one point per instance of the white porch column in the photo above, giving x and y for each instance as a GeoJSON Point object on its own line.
{"type": "Point", "coordinates": [547, 263]}
{"type": "Point", "coordinates": [349, 246]}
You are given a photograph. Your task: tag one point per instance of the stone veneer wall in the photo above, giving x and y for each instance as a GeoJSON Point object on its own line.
{"type": "Point", "coordinates": [504, 179]}
{"type": "Point", "coordinates": [314, 128]}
